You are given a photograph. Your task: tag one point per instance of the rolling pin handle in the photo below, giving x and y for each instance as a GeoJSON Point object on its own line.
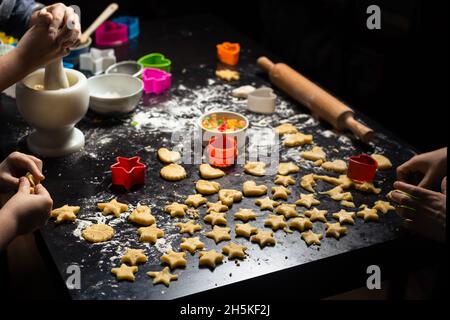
{"type": "Point", "coordinates": [265, 64]}
{"type": "Point", "coordinates": [361, 131]}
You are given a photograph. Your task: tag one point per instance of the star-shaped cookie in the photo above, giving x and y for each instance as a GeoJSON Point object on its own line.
{"type": "Point", "coordinates": [142, 215]}
{"type": "Point", "coordinates": [287, 210]}
{"type": "Point", "coordinates": [311, 238]}
{"type": "Point", "coordinates": [134, 256]}
{"type": "Point", "coordinates": [368, 214]}
{"type": "Point", "coordinates": [176, 209]}
{"type": "Point", "coordinates": [234, 251]}
{"type": "Point", "coordinates": [245, 215]}
{"type": "Point", "coordinates": [150, 234]}
{"type": "Point", "coordinates": [228, 75]}
{"type": "Point", "coordinates": [189, 227]}
{"type": "Point", "coordinates": [229, 196]}
{"type": "Point", "coordinates": [275, 222]}
{"type": "Point", "coordinates": [286, 168]}
{"type": "Point", "coordinates": [344, 217]}
{"type": "Point", "coordinates": [251, 189]}
{"type": "Point", "coordinates": [335, 230]}
{"type": "Point", "coordinates": [301, 224]}
{"type": "Point", "coordinates": [367, 187]}
{"type": "Point", "coordinates": [338, 194]}
{"type": "Point", "coordinates": [245, 230]}
{"type": "Point", "coordinates": [219, 234]}
{"type": "Point", "coordinates": [308, 182]}
{"type": "Point", "coordinates": [113, 207]}
{"type": "Point", "coordinates": [307, 200]}
{"type": "Point", "coordinates": [125, 272]}
{"type": "Point", "coordinates": [163, 276]}
{"type": "Point", "coordinates": [174, 259]}
{"type": "Point", "coordinates": [266, 203]}
{"type": "Point", "coordinates": [280, 192]}
{"type": "Point", "coordinates": [383, 206]}
{"type": "Point", "coordinates": [286, 128]}
{"type": "Point", "coordinates": [263, 238]}
{"type": "Point", "coordinates": [215, 218]}
{"type": "Point", "coordinates": [217, 206]}
{"type": "Point", "coordinates": [192, 244]}
{"type": "Point", "coordinates": [210, 258]}
{"type": "Point", "coordinates": [317, 215]}
{"type": "Point", "coordinates": [284, 180]}
{"type": "Point", "coordinates": [195, 200]}
{"type": "Point", "coordinates": [65, 213]}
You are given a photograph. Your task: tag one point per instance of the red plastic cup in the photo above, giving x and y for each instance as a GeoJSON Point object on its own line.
{"type": "Point", "coordinates": [128, 172]}
{"type": "Point", "coordinates": [222, 151]}
{"type": "Point", "coordinates": [362, 168]}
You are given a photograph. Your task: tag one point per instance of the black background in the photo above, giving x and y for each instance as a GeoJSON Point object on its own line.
{"type": "Point", "coordinates": [397, 75]}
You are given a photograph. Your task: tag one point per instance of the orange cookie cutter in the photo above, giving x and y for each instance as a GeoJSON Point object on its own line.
{"type": "Point", "coordinates": [228, 53]}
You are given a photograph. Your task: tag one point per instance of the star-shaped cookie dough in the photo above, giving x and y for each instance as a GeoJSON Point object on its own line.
{"type": "Point", "coordinates": [255, 168]}
{"type": "Point", "coordinates": [210, 258]}
{"type": "Point", "coordinates": [134, 256]}
{"type": "Point", "coordinates": [219, 234]}
{"type": "Point", "coordinates": [234, 251]}
{"type": "Point", "coordinates": [251, 189]}
{"type": "Point", "coordinates": [301, 224]}
{"type": "Point", "coordinates": [280, 192]}
{"type": "Point", "coordinates": [308, 182]}
{"type": "Point", "coordinates": [316, 153]}
{"type": "Point", "coordinates": [228, 75]}
{"type": "Point", "coordinates": [368, 214]}
{"type": "Point", "coordinates": [307, 200]}
{"type": "Point", "coordinates": [125, 272]}
{"type": "Point", "coordinates": [284, 180]}
{"type": "Point", "coordinates": [163, 276]}
{"type": "Point", "coordinates": [348, 204]}
{"type": "Point", "coordinates": [286, 128]}
{"type": "Point", "coordinates": [217, 206]}
{"type": "Point", "coordinates": [275, 222]}
{"type": "Point", "coordinates": [65, 213]}
{"type": "Point", "coordinates": [195, 200]}
{"type": "Point", "coordinates": [263, 238]}
{"type": "Point", "coordinates": [344, 217]}
{"type": "Point", "coordinates": [286, 168]}
{"type": "Point", "coordinates": [176, 209]}
{"type": "Point", "coordinates": [174, 259]}
{"type": "Point", "coordinates": [215, 218]}
{"type": "Point", "coordinates": [317, 215]}
{"type": "Point", "coordinates": [245, 230]}
{"type": "Point", "coordinates": [189, 227]}
{"type": "Point", "coordinates": [266, 203]}
{"type": "Point", "coordinates": [209, 172]}
{"type": "Point", "coordinates": [287, 210]}
{"type": "Point", "coordinates": [207, 187]}
{"type": "Point", "coordinates": [229, 196]}
{"type": "Point", "coordinates": [192, 244]}
{"type": "Point", "coordinates": [311, 238]}
{"type": "Point", "coordinates": [245, 215]}
{"type": "Point", "coordinates": [383, 206]}
{"type": "Point", "coordinates": [335, 230]}
{"type": "Point", "coordinates": [150, 234]}
{"type": "Point", "coordinates": [338, 194]}
{"type": "Point", "coordinates": [113, 207]}
{"type": "Point", "coordinates": [297, 139]}
{"type": "Point", "coordinates": [142, 215]}
{"type": "Point", "coordinates": [367, 187]}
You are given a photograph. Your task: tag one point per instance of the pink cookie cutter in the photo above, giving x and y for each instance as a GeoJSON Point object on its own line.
{"type": "Point", "coordinates": [128, 172]}
{"type": "Point", "coordinates": [156, 81]}
{"type": "Point", "coordinates": [111, 33]}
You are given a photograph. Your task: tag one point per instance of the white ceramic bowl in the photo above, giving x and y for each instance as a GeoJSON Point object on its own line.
{"type": "Point", "coordinates": [125, 67]}
{"type": "Point", "coordinates": [114, 93]}
{"type": "Point", "coordinates": [208, 133]}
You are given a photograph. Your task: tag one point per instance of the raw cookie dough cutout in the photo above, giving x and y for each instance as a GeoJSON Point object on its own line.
{"type": "Point", "coordinates": [317, 215]}
{"type": "Point", "coordinates": [228, 75]}
{"type": "Point", "coordinates": [209, 172]}
{"type": "Point", "coordinates": [242, 92]}
{"type": "Point", "coordinates": [174, 259]}
{"type": "Point", "coordinates": [255, 168]}
{"type": "Point", "coordinates": [338, 194]}
{"type": "Point", "coordinates": [125, 272]}
{"type": "Point", "coordinates": [245, 230]}
{"type": "Point", "coordinates": [195, 200]}
{"type": "Point", "coordinates": [280, 192]}
{"type": "Point", "coordinates": [229, 196]}
{"type": "Point", "coordinates": [113, 207]}
{"type": "Point", "coordinates": [215, 218]}
{"type": "Point", "coordinates": [307, 200]}
{"type": "Point", "coordinates": [150, 234]}
{"type": "Point", "coordinates": [207, 187]}
{"type": "Point", "coordinates": [383, 206]}
{"type": "Point", "coordinates": [263, 238]}
{"type": "Point", "coordinates": [163, 276]}
{"type": "Point", "coordinates": [210, 258]}
{"type": "Point", "coordinates": [287, 210]}
{"type": "Point", "coordinates": [98, 233]}
{"type": "Point", "coordinates": [192, 244]}
{"type": "Point", "coordinates": [219, 234]}
{"type": "Point", "coordinates": [344, 217]}
{"type": "Point", "coordinates": [33, 182]}
{"type": "Point", "coordinates": [266, 203]}
{"type": "Point", "coordinates": [189, 227]}
{"type": "Point", "coordinates": [234, 251]}
{"type": "Point", "coordinates": [65, 213]}
{"type": "Point", "coordinates": [316, 153]}
{"type": "Point", "coordinates": [284, 180]}
{"type": "Point", "coordinates": [176, 209]}
{"type": "Point", "coordinates": [286, 128]}
{"type": "Point", "coordinates": [167, 156]}
{"type": "Point", "coordinates": [216, 206]}
{"type": "Point", "coordinates": [297, 139]}
{"type": "Point", "coordinates": [301, 224]}
{"type": "Point", "coordinates": [286, 168]}
{"type": "Point", "coordinates": [307, 182]}
{"type": "Point", "coordinates": [142, 215]}
{"type": "Point", "coordinates": [368, 214]}
{"type": "Point", "coordinates": [245, 215]}
{"type": "Point", "coordinates": [251, 189]}
{"type": "Point", "coordinates": [335, 230]}
{"type": "Point", "coordinates": [338, 166]}
{"type": "Point", "coordinates": [275, 222]}
{"type": "Point", "coordinates": [133, 257]}
{"type": "Point", "coordinates": [367, 187]}
{"type": "Point", "coordinates": [311, 238]}
{"type": "Point", "coordinates": [383, 162]}
{"type": "Point", "coordinates": [343, 181]}
{"type": "Point", "coordinates": [347, 204]}
{"type": "Point", "coordinates": [173, 172]}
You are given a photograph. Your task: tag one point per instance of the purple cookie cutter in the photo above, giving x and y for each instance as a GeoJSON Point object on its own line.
{"type": "Point", "coordinates": [156, 81]}
{"type": "Point", "coordinates": [111, 33]}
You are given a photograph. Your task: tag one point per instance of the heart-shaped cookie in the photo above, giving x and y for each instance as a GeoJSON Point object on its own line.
{"type": "Point", "coordinates": [252, 190]}
{"type": "Point", "coordinates": [167, 156]}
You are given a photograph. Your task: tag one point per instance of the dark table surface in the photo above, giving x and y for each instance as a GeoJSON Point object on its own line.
{"type": "Point", "coordinates": [84, 179]}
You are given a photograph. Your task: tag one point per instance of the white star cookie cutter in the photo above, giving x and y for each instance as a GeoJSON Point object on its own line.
{"type": "Point", "coordinates": [262, 100]}
{"type": "Point", "coordinates": [97, 61]}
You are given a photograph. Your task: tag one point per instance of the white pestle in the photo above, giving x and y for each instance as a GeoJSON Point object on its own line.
{"type": "Point", "coordinates": [55, 77]}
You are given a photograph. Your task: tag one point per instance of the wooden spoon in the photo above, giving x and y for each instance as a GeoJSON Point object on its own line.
{"type": "Point", "coordinates": [100, 19]}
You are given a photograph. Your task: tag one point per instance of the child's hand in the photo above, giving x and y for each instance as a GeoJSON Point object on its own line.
{"type": "Point", "coordinates": [17, 165]}
{"type": "Point", "coordinates": [54, 30]}
{"type": "Point", "coordinates": [28, 212]}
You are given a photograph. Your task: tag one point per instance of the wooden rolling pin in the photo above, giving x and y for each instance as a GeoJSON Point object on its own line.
{"type": "Point", "coordinates": [320, 102]}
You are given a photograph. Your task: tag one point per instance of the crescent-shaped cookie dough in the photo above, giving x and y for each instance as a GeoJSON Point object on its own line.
{"type": "Point", "coordinates": [383, 162]}
{"type": "Point", "coordinates": [209, 172]}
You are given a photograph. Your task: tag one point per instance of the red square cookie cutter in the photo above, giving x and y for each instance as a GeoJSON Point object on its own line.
{"type": "Point", "coordinates": [128, 172]}
{"type": "Point", "coordinates": [362, 168]}
{"type": "Point", "coordinates": [228, 53]}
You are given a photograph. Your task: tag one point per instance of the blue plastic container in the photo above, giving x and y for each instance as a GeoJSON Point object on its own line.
{"type": "Point", "coordinates": [132, 23]}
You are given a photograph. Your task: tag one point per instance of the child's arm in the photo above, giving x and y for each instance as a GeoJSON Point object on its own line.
{"type": "Point", "coordinates": [17, 165]}
{"type": "Point", "coordinates": [16, 16]}
{"type": "Point", "coordinates": [24, 212]}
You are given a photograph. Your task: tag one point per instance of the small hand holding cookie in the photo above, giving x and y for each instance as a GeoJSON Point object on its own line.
{"type": "Point", "coordinates": [17, 165]}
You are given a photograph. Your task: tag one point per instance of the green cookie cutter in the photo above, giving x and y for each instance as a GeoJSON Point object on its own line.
{"type": "Point", "coordinates": [155, 60]}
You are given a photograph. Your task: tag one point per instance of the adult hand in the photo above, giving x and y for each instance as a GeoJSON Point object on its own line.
{"type": "Point", "coordinates": [16, 165]}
